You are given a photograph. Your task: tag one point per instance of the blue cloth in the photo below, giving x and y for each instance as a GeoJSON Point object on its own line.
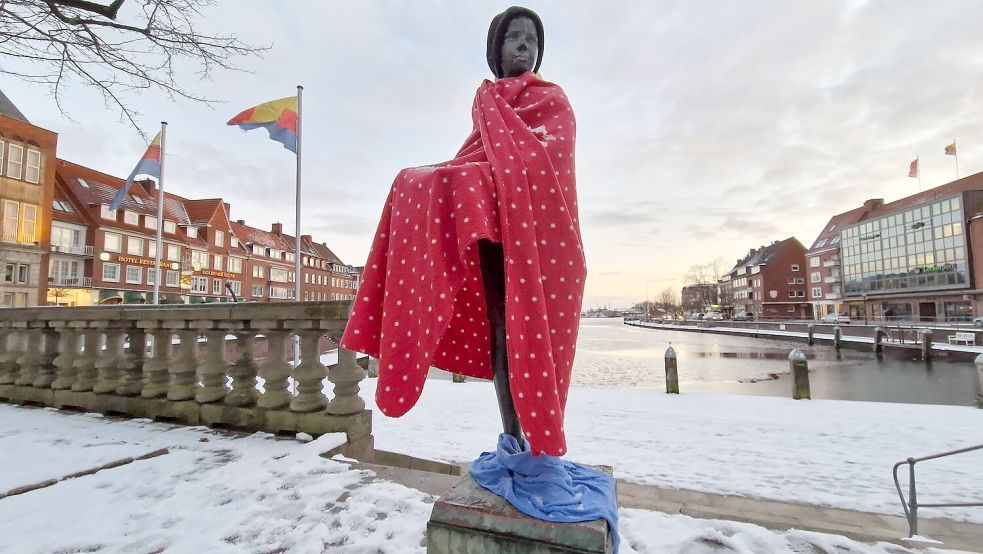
{"type": "Point", "coordinates": [547, 487]}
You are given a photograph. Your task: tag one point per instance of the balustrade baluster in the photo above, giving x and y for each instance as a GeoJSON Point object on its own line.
{"type": "Point", "coordinates": [345, 376]}
{"type": "Point", "coordinates": [184, 380]}
{"type": "Point", "coordinates": [10, 341]}
{"type": "Point", "coordinates": [155, 376]}
{"type": "Point", "coordinates": [274, 370]}
{"type": "Point", "coordinates": [243, 371]}
{"type": "Point", "coordinates": [130, 382]}
{"type": "Point", "coordinates": [31, 357]}
{"type": "Point", "coordinates": [68, 351]}
{"type": "Point", "coordinates": [45, 374]}
{"type": "Point", "coordinates": [85, 364]}
{"type": "Point", "coordinates": [309, 374]}
{"type": "Point", "coordinates": [213, 370]}
{"type": "Point", "coordinates": [107, 365]}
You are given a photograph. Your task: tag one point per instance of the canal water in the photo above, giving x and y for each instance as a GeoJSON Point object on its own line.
{"type": "Point", "coordinates": [611, 354]}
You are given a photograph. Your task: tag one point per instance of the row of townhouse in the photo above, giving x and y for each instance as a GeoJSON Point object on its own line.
{"type": "Point", "coordinates": [63, 245]}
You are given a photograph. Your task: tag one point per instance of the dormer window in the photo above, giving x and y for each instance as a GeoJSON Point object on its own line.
{"type": "Point", "coordinates": [192, 232]}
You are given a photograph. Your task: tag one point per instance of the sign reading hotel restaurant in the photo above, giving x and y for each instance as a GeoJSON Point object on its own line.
{"type": "Point", "coordinates": [141, 261]}
{"type": "Point", "coordinates": [213, 273]}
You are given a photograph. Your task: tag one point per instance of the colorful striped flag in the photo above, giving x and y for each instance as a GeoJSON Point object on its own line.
{"type": "Point", "coordinates": [149, 164]}
{"type": "Point", "coordinates": [279, 117]}
{"type": "Point", "coordinates": [913, 169]}
{"type": "Point", "coordinates": [950, 150]}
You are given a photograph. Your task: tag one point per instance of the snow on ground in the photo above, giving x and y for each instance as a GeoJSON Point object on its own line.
{"type": "Point", "coordinates": [215, 492]}
{"type": "Point", "coordinates": [826, 452]}
{"type": "Point", "coordinates": [229, 494]}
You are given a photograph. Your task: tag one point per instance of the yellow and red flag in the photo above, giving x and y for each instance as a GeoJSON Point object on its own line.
{"type": "Point", "coordinates": [950, 150]}
{"type": "Point", "coordinates": [279, 117]}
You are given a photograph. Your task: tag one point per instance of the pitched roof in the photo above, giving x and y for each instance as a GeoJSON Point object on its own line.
{"type": "Point", "coordinates": [8, 108]}
{"type": "Point", "coordinates": [266, 239]}
{"type": "Point", "coordinates": [74, 216]}
{"type": "Point", "coordinates": [202, 211]}
{"type": "Point", "coordinates": [826, 239]}
{"type": "Point", "coordinates": [94, 187]}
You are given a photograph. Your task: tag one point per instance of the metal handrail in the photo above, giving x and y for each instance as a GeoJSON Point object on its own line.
{"type": "Point", "coordinates": [911, 505]}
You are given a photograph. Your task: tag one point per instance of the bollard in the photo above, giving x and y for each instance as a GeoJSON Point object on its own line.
{"type": "Point", "coordinates": [879, 334]}
{"type": "Point", "coordinates": [837, 337]}
{"type": "Point", "coordinates": [812, 329]}
{"type": "Point", "coordinates": [926, 344]}
{"type": "Point", "coordinates": [799, 367]}
{"type": "Point", "coordinates": [979, 381]}
{"type": "Point", "coordinates": [672, 376]}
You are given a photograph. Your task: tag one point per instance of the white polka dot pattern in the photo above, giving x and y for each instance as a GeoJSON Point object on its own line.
{"type": "Point", "coordinates": [421, 301]}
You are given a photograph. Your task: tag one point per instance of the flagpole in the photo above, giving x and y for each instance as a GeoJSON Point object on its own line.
{"type": "Point", "coordinates": [160, 215]}
{"type": "Point", "coordinates": [955, 154]}
{"type": "Point", "coordinates": [918, 164]}
{"type": "Point", "coordinates": [300, 91]}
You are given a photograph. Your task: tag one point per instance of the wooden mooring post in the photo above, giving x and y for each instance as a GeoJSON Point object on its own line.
{"type": "Point", "coordinates": [672, 375]}
{"type": "Point", "coordinates": [799, 367]}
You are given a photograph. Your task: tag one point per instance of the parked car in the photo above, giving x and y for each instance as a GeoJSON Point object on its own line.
{"type": "Point", "coordinates": [714, 316]}
{"type": "Point", "coordinates": [835, 318]}
{"type": "Point", "coordinates": [743, 316]}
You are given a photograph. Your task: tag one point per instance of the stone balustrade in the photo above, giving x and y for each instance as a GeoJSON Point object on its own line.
{"type": "Point", "coordinates": [172, 363]}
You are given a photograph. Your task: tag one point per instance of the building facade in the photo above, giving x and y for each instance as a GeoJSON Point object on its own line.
{"type": "Point", "coordinates": [770, 282]}
{"type": "Point", "coordinates": [27, 155]}
{"type": "Point", "coordinates": [698, 297]}
{"type": "Point", "coordinates": [823, 261]}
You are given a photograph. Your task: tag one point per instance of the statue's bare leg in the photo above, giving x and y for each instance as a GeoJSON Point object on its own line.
{"type": "Point", "coordinates": [493, 274]}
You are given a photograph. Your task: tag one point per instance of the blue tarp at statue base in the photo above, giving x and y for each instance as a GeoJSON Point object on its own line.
{"type": "Point", "coordinates": [547, 487]}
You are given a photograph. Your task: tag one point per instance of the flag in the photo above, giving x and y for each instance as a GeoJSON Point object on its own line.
{"type": "Point", "coordinates": [149, 164]}
{"type": "Point", "coordinates": [279, 117]}
{"type": "Point", "coordinates": [950, 150]}
{"type": "Point", "coordinates": [913, 170]}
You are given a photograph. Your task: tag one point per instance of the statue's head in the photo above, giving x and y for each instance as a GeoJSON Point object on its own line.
{"type": "Point", "coordinates": [515, 42]}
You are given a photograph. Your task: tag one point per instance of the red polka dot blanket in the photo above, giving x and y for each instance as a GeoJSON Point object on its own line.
{"type": "Point", "coordinates": [421, 300]}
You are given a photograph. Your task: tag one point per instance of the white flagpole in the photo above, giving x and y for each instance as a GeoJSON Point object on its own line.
{"type": "Point", "coordinates": [918, 166]}
{"type": "Point", "coordinates": [300, 90]}
{"type": "Point", "coordinates": [160, 215]}
{"type": "Point", "coordinates": [955, 154]}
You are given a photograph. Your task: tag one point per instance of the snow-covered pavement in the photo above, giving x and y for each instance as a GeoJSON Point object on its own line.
{"type": "Point", "coordinates": [215, 492]}
{"type": "Point", "coordinates": [826, 452]}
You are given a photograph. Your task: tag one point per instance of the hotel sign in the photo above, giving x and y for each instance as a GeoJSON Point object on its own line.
{"type": "Point", "coordinates": [141, 261]}
{"type": "Point", "coordinates": [213, 273]}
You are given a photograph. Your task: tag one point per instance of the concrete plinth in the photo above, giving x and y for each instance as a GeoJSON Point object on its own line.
{"type": "Point", "coordinates": [471, 520]}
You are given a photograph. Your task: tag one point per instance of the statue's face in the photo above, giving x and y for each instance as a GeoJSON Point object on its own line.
{"type": "Point", "coordinates": [520, 49]}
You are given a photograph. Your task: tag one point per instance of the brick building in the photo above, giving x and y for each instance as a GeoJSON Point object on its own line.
{"type": "Point", "coordinates": [770, 282]}
{"type": "Point", "coordinates": [107, 256]}
{"type": "Point", "coordinates": [27, 172]}
{"type": "Point", "coordinates": [823, 262]}
{"type": "Point", "coordinates": [698, 297]}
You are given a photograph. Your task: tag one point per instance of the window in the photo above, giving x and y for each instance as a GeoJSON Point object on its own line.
{"type": "Point", "coordinates": [199, 259]}
{"type": "Point", "coordinates": [151, 276]}
{"type": "Point", "coordinates": [2, 146]}
{"type": "Point", "coordinates": [65, 238]}
{"type": "Point", "coordinates": [199, 284]}
{"type": "Point", "coordinates": [815, 277]}
{"type": "Point", "coordinates": [795, 267]}
{"type": "Point", "coordinates": [107, 213]}
{"type": "Point", "coordinates": [290, 256]}
{"type": "Point", "coordinates": [791, 294]}
{"type": "Point", "coordinates": [258, 250]}
{"type": "Point", "coordinates": [257, 290]}
{"type": "Point", "coordinates": [173, 252]}
{"type": "Point", "coordinates": [216, 286]}
{"type": "Point", "coordinates": [110, 272]}
{"type": "Point", "coordinates": [33, 174]}
{"type": "Point", "coordinates": [274, 253]}
{"type": "Point", "coordinates": [814, 261]}
{"type": "Point", "coordinates": [152, 249]}
{"type": "Point", "coordinates": [131, 218]}
{"type": "Point", "coordinates": [234, 242]}
{"type": "Point", "coordinates": [219, 238]}
{"type": "Point", "coordinates": [791, 309]}
{"type": "Point", "coordinates": [62, 206]}
{"type": "Point", "coordinates": [307, 277]}
{"type": "Point", "coordinates": [306, 295]}
{"type": "Point", "coordinates": [134, 247]}
{"type": "Point", "coordinates": [113, 243]}
{"type": "Point", "coordinates": [192, 232]}
{"type": "Point", "coordinates": [279, 275]}
{"type": "Point", "coordinates": [134, 274]}
{"type": "Point", "coordinates": [235, 265]}
{"type": "Point", "coordinates": [137, 199]}
{"type": "Point", "coordinates": [63, 272]}
{"type": "Point", "coordinates": [11, 212]}
{"type": "Point", "coordinates": [15, 161]}
{"type": "Point", "coordinates": [83, 184]}
{"type": "Point", "coordinates": [150, 222]}
{"type": "Point", "coordinates": [217, 262]}
{"type": "Point", "coordinates": [258, 271]}
{"type": "Point", "coordinates": [28, 223]}
{"type": "Point", "coordinates": [800, 280]}
{"type": "Point", "coordinates": [172, 278]}
{"type": "Point", "coordinates": [236, 287]}
{"type": "Point", "coordinates": [791, 280]}
{"type": "Point", "coordinates": [170, 227]}
{"type": "Point", "coordinates": [17, 273]}
{"type": "Point", "coordinates": [817, 292]}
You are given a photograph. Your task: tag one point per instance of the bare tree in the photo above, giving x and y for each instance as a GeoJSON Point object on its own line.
{"type": "Point", "coordinates": [703, 273]}
{"type": "Point", "coordinates": [668, 299]}
{"type": "Point", "coordinates": [57, 42]}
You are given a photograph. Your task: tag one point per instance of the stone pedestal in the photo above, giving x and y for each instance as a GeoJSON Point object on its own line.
{"type": "Point", "coordinates": [471, 520]}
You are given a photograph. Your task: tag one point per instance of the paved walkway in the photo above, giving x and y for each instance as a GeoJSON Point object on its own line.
{"type": "Point", "coordinates": [776, 515]}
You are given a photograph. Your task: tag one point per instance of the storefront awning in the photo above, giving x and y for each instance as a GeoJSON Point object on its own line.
{"type": "Point", "coordinates": [133, 297]}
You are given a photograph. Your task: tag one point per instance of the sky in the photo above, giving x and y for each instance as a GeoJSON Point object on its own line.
{"type": "Point", "coordinates": [705, 129]}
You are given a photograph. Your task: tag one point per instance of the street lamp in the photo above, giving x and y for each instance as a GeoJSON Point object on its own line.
{"type": "Point", "coordinates": [865, 307]}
